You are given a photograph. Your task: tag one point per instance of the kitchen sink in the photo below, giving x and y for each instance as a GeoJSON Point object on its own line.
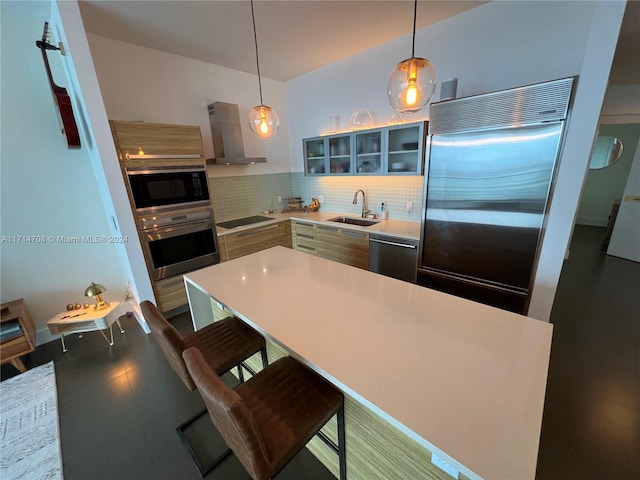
{"type": "Point", "coordinates": [354, 221]}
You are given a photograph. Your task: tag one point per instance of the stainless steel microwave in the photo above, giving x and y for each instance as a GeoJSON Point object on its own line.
{"type": "Point", "coordinates": [163, 188]}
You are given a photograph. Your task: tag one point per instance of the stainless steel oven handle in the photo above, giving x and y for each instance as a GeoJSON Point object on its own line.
{"type": "Point", "coordinates": [168, 231]}
{"type": "Point", "coordinates": [130, 156]}
{"type": "Point", "coordinates": [395, 244]}
{"type": "Point", "coordinates": [164, 169]}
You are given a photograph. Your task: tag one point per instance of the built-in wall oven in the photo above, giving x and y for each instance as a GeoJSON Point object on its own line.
{"type": "Point", "coordinates": [163, 188]}
{"type": "Point", "coordinates": [178, 242]}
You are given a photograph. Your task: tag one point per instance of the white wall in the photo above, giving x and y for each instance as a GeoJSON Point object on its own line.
{"type": "Point", "coordinates": [625, 239]}
{"type": "Point", "coordinates": [621, 105]}
{"type": "Point", "coordinates": [139, 83]}
{"type": "Point", "coordinates": [495, 46]}
{"type": "Point", "coordinates": [47, 190]}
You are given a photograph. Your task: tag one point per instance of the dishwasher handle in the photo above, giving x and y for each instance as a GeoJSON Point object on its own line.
{"type": "Point", "coordinates": [395, 244]}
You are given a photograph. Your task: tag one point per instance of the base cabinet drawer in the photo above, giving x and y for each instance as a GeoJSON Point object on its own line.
{"type": "Point", "coordinates": [170, 293]}
{"type": "Point", "coordinates": [243, 243]}
{"type": "Point", "coordinates": [334, 243]}
{"type": "Point", "coordinates": [303, 236]}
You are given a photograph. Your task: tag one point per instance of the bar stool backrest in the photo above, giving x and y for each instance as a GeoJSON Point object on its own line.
{"type": "Point", "coordinates": [231, 417]}
{"type": "Point", "coordinates": [169, 339]}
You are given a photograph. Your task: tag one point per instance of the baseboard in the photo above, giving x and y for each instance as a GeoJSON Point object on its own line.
{"type": "Point", "coordinates": [592, 222]}
{"type": "Point", "coordinates": [44, 336]}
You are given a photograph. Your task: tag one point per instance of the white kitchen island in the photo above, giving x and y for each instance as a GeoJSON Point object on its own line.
{"type": "Point", "coordinates": [461, 380]}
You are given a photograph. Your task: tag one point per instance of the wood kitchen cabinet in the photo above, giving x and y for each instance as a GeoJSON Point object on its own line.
{"type": "Point", "coordinates": [163, 148]}
{"type": "Point", "coordinates": [18, 334]}
{"type": "Point", "coordinates": [354, 248]}
{"type": "Point", "coordinates": [142, 144]}
{"type": "Point", "coordinates": [303, 236]}
{"type": "Point", "coordinates": [170, 293]}
{"type": "Point", "coordinates": [234, 245]}
{"type": "Point", "coordinates": [334, 243]}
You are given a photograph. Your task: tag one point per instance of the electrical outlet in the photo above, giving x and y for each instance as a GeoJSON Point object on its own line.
{"type": "Point", "coordinates": [279, 198]}
{"type": "Point", "coordinates": [446, 466]}
{"type": "Point", "coordinates": [321, 199]}
{"type": "Point", "coordinates": [409, 206]}
{"type": "Point", "coordinates": [127, 295]}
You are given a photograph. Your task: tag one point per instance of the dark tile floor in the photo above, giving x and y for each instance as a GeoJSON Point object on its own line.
{"type": "Point", "coordinates": [119, 406]}
{"type": "Point", "coordinates": [591, 424]}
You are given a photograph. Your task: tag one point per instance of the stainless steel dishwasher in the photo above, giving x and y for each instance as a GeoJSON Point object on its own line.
{"type": "Point", "coordinates": [393, 257]}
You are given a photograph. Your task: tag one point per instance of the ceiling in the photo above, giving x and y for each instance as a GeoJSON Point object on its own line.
{"type": "Point", "coordinates": [294, 37]}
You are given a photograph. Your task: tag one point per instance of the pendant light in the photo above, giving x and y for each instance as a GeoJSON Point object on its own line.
{"type": "Point", "coordinates": [413, 81]}
{"type": "Point", "coordinates": [263, 120]}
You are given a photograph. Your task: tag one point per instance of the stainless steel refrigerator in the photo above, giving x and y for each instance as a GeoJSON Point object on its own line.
{"type": "Point", "coordinates": [491, 169]}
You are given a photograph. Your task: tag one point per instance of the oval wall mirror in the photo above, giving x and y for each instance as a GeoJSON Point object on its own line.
{"type": "Point", "coordinates": [605, 152]}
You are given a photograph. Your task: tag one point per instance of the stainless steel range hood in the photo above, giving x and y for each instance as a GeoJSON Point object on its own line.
{"type": "Point", "coordinates": [227, 136]}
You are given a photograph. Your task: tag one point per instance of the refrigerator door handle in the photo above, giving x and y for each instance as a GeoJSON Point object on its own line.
{"type": "Point", "coordinates": [471, 281]}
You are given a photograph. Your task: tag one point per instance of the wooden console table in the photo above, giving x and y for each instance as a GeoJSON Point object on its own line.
{"type": "Point", "coordinates": [18, 334]}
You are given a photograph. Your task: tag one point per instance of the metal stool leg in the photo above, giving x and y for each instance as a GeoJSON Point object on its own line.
{"type": "Point", "coordinates": [203, 469]}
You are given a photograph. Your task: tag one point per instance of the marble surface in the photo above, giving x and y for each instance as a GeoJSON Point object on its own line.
{"type": "Point", "coordinates": [396, 228]}
{"type": "Point", "coordinates": [465, 380]}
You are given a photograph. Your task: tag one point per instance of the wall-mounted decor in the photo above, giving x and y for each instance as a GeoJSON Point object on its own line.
{"type": "Point", "coordinates": [61, 98]}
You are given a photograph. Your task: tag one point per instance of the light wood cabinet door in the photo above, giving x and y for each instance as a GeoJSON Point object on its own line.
{"type": "Point", "coordinates": [170, 293]}
{"type": "Point", "coordinates": [328, 239]}
{"type": "Point", "coordinates": [354, 248]}
{"type": "Point", "coordinates": [142, 144]}
{"type": "Point", "coordinates": [256, 239]}
{"type": "Point", "coordinates": [334, 243]}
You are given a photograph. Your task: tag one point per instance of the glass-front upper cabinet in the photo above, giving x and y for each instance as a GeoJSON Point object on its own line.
{"type": "Point", "coordinates": [315, 159]}
{"type": "Point", "coordinates": [405, 146]}
{"type": "Point", "coordinates": [369, 148]}
{"type": "Point", "coordinates": [340, 158]}
{"type": "Point", "coordinates": [392, 150]}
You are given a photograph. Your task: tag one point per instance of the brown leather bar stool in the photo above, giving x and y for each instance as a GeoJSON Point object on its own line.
{"type": "Point", "coordinates": [267, 420]}
{"type": "Point", "coordinates": [225, 344]}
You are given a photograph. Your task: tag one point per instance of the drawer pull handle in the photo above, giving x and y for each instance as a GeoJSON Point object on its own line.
{"type": "Point", "coordinates": [311, 237]}
{"type": "Point", "coordinates": [354, 234]}
{"type": "Point", "coordinates": [258, 230]}
{"type": "Point", "coordinates": [130, 156]}
{"type": "Point", "coordinates": [304, 247]}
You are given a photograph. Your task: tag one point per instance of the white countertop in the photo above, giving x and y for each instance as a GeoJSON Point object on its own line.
{"type": "Point", "coordinates": [464, 379]}
{"type": "Point", "coordinates": [396, 228]}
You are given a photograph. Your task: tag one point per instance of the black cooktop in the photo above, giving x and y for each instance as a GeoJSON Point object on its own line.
{"type": "Point", "coordinates": [239, 222]}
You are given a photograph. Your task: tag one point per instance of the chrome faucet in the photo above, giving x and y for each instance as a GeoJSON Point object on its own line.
{"type": "Point", "coordinates": [364, 203]}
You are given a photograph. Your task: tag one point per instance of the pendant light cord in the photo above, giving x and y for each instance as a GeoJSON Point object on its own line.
{"type": "Point", "coordinates": [413, 43]}
{"type": "Point", "coordinates": [255, 39]}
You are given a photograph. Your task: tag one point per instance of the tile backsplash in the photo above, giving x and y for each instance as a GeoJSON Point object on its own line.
{"type": "Point", "coordinates": [338, 193]}
{"type": "Point", "coordinates": [246, 195]}
{"type": "Point", "coordinates": [241, 196]}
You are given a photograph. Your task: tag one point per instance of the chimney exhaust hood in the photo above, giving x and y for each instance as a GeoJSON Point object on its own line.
{"type": "Point", "coordinates": [227, 136]}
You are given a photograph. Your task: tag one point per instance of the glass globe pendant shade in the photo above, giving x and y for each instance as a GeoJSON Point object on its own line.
{"type": "Point", "coordinates": [411, 85]}
{"type": "Point", "coordinates": [263, 121]}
